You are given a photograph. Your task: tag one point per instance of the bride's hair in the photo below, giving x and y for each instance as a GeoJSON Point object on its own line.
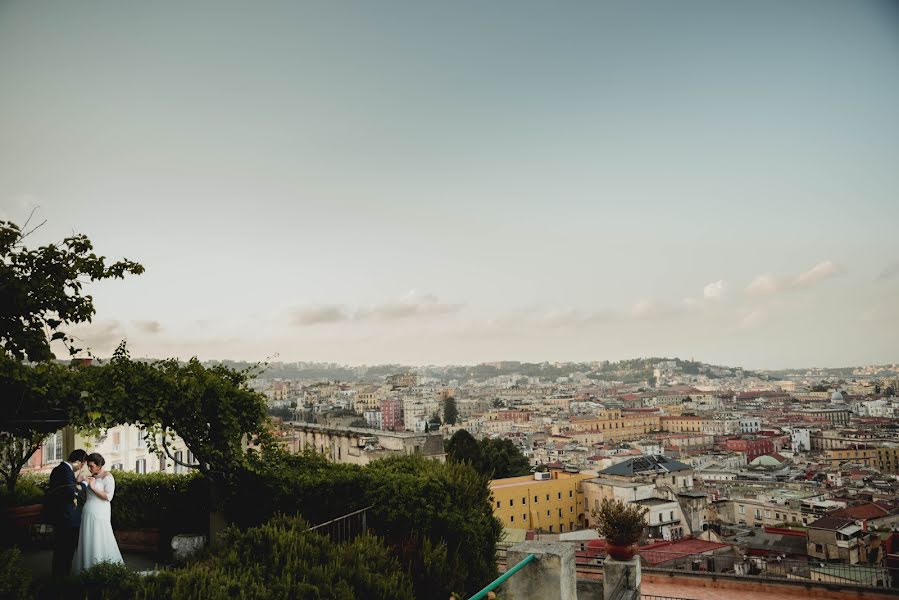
{"type": "Point", "coordinates": [97, 459]}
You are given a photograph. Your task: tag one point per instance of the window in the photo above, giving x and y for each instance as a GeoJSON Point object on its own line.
{"type": "Point", "coordinates": [116, 467]}
{"type": "Point", "coordinates": [560, 495]}
{"type": "Point", "coordinates": [140, 466]}
{"type": "Point", "coordinates": [141, 442]}
{"type": "Point", "coordinates": [497, 504]}
{"type": "Point", "coordinates": [671, 515]}
{"type": "Point", "coordinates": [535, 499]}
{"type": "Point", "coordinates": [742, 509]}
{"type": "Point", "coordinates": [560, 513]}
{"type": "Point", "coordinates": [512, 519]}
{"type": "Point", "coordinates": [660, 517]}
{"type": "Point", "coordinates": [570, 493]}
{"type": "Point", "coordinates": [571, 509]}
{"type": "Point", "coordinates": [524, 517]}
{"type": "Point", "coordinates": [53, 448]}
{"type": "Point", "coordinates": [819, 548]}
{"type": "Point", "coordinates": [511, 502]}
{"type": "Point", "coordinates": [547, 513]}
{"type": "Point", "coordinates": [179, 458]}
{"type": "Point", "coordinates": [524, 500]}
{"type": "Point", "coordinates": [547, 497]}
{"type": "Point", "coordinates": [767, 514]}
{"type": "Point", "coordinates": [758, 513]}
{"type": "Point", "coordinates": [550, 528]}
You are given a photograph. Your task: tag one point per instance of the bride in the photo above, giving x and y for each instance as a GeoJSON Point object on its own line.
{"type": "Point", "coordinates": [97, 542]}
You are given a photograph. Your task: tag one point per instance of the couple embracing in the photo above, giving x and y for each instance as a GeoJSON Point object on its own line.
{"type": "Point", "coordinates": [78, 507]}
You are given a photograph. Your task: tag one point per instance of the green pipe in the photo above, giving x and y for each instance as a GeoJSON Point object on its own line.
{"type": "Point", "coordinates": [502, 578]}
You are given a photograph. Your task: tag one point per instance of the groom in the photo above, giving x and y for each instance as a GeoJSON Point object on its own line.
{"type": "Point", "coordinates": [64, 501]}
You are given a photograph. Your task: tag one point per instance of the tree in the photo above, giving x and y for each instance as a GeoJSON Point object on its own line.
{"type": "Point", "coordinates": [43, 293]}
{"type": "Point", "coordinates": [450, 411]}
{"type": "Point", "coordinates": [502, 459]}
{"type": "Point", "coordinates": [42, 290]}
{"type": "Point", "coordinates": [462, 447]}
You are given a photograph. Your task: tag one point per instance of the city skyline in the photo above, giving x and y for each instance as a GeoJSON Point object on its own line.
{"type": "Point", "coordinates": [467, 183]}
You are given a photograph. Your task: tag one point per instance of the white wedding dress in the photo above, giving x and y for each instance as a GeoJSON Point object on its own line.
{"type": "Point", "coordinates": [96, 543]}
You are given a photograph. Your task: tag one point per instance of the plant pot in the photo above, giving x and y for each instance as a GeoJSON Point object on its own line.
{"type": "Point", "coordinates": [139, 540]}
{"type": "Point", "coordinates": [619, 552]}
{"type": "Point", "coordinates": [23, 516]}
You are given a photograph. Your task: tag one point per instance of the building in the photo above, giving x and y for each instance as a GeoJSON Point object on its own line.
{"type": "Point", "coordinates": [361, 446]}
{"type": "Point", "coordinates": [392, 414]}
{"type": "Point", "coordinates": [617, 425]}
{"type": "Point", "coordinates": [549, 502]}
{"type": "Point", "coordinates": [836, 539]}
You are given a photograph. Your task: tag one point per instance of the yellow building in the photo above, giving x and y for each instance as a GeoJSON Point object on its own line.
{"type": "Point", "coordinates": [884, 459]}
{"type": "Point", "coordinates": [554, 504]}
{"type": "Point", "coordinates": [615, 425]}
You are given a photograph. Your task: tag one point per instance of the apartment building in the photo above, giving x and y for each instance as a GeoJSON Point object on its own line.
{"type": "Point", "coordinates": [617, 425]}
{"type": "Point", "coordinates": [550, 502]}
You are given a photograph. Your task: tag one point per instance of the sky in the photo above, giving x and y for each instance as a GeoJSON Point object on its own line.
{"type": "Point", "coordinates": [457, 182]}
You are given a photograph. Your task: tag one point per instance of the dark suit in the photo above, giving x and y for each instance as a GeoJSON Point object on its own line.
{"type": "Point", "coordinates": [64, 515]}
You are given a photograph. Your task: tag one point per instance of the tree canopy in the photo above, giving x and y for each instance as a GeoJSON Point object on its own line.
{"type": "Point", "coordinates": [43, 290]}
{"type": "Point", "coordinates": [493, 458]}
{"type": "Point", "coordinates": [450, 411]}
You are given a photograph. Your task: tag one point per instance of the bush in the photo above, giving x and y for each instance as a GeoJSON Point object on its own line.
{"type": "Point", "coordinates": [14, 579]}
{"type": "Point", "coordinates": [165, 501]}
{"type": "Point", "coordinates": [436, 517]}
{"type": "Point", "coordinates": [30, 489]}
{"type": "Point", "coordinates": [108, 580]}
{"type": "Point", "coordinates": [282, 559]}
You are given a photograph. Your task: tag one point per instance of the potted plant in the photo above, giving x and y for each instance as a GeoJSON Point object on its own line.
{"type": "Point", "coordinates": [622, 527]}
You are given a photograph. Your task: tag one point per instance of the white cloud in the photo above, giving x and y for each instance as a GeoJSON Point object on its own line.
{"type": "Point", "coordinates": [823, 270]}
{"type": "Point", "coordinates": [714, 290]}
{"type": "Point", "coordinates": [762, 285]}
{"type": "Point", "coordinates": [412, 305]}
{"type": "Point", "coordinates": [643, 308]}
{"type": "Point", "coordinates": [148, 326]}
{"type": "Point", "coordinates": [409, 306]}
{"type": "Point", "coordinates": [316, 315]}
{"type": "Point", "coordinates": [754, 319]}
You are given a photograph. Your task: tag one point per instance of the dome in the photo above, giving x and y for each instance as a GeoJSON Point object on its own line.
{"type": "Point", "coordinates": [837, 396]}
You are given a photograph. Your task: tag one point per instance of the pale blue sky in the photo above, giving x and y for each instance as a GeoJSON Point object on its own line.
{"type": "Point", "coordinates": [467, 181]}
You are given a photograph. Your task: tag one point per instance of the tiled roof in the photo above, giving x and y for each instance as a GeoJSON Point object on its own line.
{"type": "Point", "coordinates": [831, 523]}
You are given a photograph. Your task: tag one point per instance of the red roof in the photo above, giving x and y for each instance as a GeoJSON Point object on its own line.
{"type": "Point", "coordinates": [661, 552]}
{"type": "Point", "coordinates": [865, 511]}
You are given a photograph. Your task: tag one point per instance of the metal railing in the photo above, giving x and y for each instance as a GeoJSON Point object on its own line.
{"type": "Point", "coordinates": [735, 565]}
{"type": "Point", "coordinates": [808, 571]}
{"type": "Point", "coordinates": [502, 578]}
{"type": "Point", "coordinates": [345, 528]}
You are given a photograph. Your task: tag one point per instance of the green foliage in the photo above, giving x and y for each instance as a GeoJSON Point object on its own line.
{"type": "Point", "coordinates": [30, 489]}
{"type": "Point", "coordinates": [15, 580]}
{"type": "Point", "coordinates": [281, 559]}
{"type": "Point", "coordinates": [108, 581]}
{"type": "Point", "coordinates": [619, 523]}
{"type": "Point", "coordinates": [211, 409]}
{"type": "Point", "coordinates": [463, 448]}
{"type": "Point", "coordinates": [496, 459]}
{"type": "Point", "coordinates": [503, 459]}
{"type": "Point", "coordinates": [437, 518]}
{"type": "Point", "coordinates": [450, 411]}
{"type": "Point", "coordinates": [169, 502]}
{"type": "Point", "coordinates": [425, 509]}
{"type": "Point", "coordinates": [42, 290]}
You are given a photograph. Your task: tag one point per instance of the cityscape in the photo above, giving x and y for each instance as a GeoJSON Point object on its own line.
{"type": "Point", "coordinates": [423, 300]}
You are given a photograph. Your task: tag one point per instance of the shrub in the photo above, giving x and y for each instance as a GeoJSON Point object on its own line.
{"type": "Point", "coordinates": [30, 489]}
{"type": "Point", "coordinates": [282, 559]}
{"type": "Point", "coordinates": [169, 502]}
{"type": "Point", "coordinates": [619, 523]}
{"type": "Point", "coordinates": [436, 517]}
{"type": "Point", "coordinates": [108, 580]}
{"type": "Point", "coordinates": [14, 580]}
